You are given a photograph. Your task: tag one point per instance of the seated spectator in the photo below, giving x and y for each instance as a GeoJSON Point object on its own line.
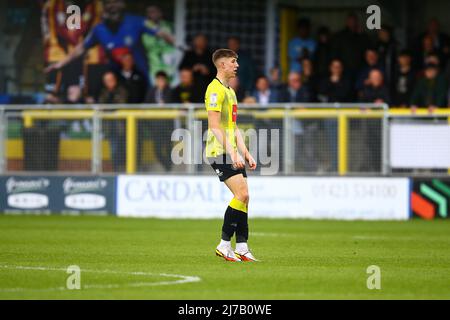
{"type": "Point", "coordinates": [114, 93]}
{"type": "Point", "coordinates": [431, 90]}
{"type": "Point", "coordinates": [132, 80]}
{"type": "Point", "coordinates": [246, 70]}
{"type": "Point", "coordinates": [403, 81]}
{"type": "Point", "coordinates": [372, 62]}
{"type": "Point", "coordinates": [323, 54]}
{"type": "Point", "coordinates": [387, 51]}
{"type": "Point", "coordinates": [375, 91]}
{"type": "Point", "coordinates": [198, 59]}
{"type": "Point", "coordinates": [275, 79]}
{"type": "Point", "coordinates": [188, 91]}
{"type": "Point", "coordinates": [304, 130]}
{"type": "Point", "coordinates": [336, 87]}
{"type": "Point", "coordinates": [263, 94]}
{"type": "Point", "coordinates": [295, 90]}
{"type": "Point", "coordinates": [309, 78]}
{"type": "Point", "coordinates": [426, 49]}
{"type": "Point", "coordinates": [235, 84]}
{"type": "Point", "coordinates": [160, 130]}
{"type": "Point", "coordinates": [161, 93]}
{"type": "Point", "coordinates": [302, 46]}
{"type": "Point", "coordinates": [349, 45]}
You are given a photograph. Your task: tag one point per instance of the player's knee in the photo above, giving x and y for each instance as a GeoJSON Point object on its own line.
{"type": "Point", "coordinates": [243, 195]}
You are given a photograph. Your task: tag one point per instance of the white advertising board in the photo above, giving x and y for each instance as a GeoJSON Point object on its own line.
{"type": "Point", "coordinates": [420, 145]}
{"type": "Point", "coordinates": [270, 197]}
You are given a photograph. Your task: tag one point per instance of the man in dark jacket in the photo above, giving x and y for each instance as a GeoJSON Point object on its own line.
{"type": "Point", "coordinates": [160, 130]}
{"type": "Point", "coordinates": [132, 80]}
{"type": "Point", "coordinates": [114, 93]}
{"type": "Point", "coordinates": [431, 90]}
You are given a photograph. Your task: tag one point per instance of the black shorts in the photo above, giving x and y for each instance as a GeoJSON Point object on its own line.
{"type": "Point", "coordinates": [223, 167]}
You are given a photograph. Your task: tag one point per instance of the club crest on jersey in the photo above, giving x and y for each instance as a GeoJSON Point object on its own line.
{"type": "Point", "coordinates": [213, 100]}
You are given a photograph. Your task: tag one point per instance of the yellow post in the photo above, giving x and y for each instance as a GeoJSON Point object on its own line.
{"type": "Point", "coordinates": [131, 143]}
{"type": "Point", "coordinates": [27, 121]}
{"type": "Point", "coordinates": [342, 143]}
{"type": "Point", "coordinates": [448, 170]}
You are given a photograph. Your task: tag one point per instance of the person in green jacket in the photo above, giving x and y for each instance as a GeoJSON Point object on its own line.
{"type": "Point", "coordinates": [161, 55]}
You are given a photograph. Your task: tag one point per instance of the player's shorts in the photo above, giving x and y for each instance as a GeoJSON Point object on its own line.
{"type": "Point", "coordinates": [223, 167]}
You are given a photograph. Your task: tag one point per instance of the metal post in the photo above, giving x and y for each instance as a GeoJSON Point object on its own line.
{"type": "Point", "coordinates": [188, 144]}
{"type": "Point", "coordinates": [288, 154]}
{"type": "Point", "coordinates": [2, 140]}
{"type": "Point", "coordinates": [96, 161]}
{"type": "Point", "coordinates": [385, 141]}
{"type": "Point", "coordinates": [270, 34]}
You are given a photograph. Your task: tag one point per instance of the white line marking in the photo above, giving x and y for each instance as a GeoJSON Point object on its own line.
{"type": "Point", "coordinates": [181, 279]}
{"type": "Point", "coordinates": [270, 234]}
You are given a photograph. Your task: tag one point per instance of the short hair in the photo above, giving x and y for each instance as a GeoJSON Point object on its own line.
{"type": "Point", "coordinates": [161, 74]}
{"type": "Point", "coordinates": [223, 53]}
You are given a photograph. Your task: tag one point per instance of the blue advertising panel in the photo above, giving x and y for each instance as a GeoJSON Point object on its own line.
{"type": "Point", "coordinates": [71, 195]}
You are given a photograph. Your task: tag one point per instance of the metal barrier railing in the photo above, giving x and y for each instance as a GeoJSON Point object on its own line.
{"type": "Point", "coordinates": [339, 120]}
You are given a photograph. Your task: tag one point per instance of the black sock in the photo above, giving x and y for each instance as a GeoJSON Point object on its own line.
{"type": "Point", "coordinates": [230, 223]}
{"type": "Point", "coordinates": [242, 228]}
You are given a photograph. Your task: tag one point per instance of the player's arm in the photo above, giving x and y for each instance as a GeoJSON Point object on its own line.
{"type": "Point", "coordinates": [243, 149]}
{"type": "Point", "coordinates": [79, 50]}
{"type": "Point", "coordinates": [219, 133]}
{"type": "Point", "coordinates": [150, 29]}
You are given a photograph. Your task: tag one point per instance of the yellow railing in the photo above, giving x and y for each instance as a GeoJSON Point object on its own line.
{"type": "Point", "coordinates": [131, 116]}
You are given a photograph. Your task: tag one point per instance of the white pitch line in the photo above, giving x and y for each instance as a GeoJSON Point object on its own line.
{"type": "Point", "coordinates": [184, 279]}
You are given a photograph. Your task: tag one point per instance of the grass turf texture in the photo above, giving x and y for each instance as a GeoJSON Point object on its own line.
{"type": "Point", "coordinates": [300, 259]}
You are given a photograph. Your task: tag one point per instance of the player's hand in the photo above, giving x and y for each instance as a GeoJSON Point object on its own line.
{"type": "Point", "coordinates": [238, 162]}
{"type": "Point", "coordinates": [53, 66]}
{"type": "Point", "coordinates": [251, 161]}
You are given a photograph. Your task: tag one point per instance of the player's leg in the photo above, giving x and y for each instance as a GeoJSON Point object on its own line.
{"type": "Point", "coordinates": [232, 216]}
{"type": "Point", "coordinates": [239, 210]}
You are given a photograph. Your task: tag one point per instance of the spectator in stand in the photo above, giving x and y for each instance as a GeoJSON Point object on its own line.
{"type": "Point", "coordinates": [426, 49]}
{"type": "Point", "coordinates": [334, 88]}
{"type": "Point", "coordinates": [304, 130]}
{"type": "Point", "coordinates": [275, 79]}
{"type": "Point", "coordinates": [302, 46]}
{"type": "Point", "coordinates": [133, 80]}
{"type": "Point", "coordinates": [323, 54]}
{"type": "Point", "coordinates": [198, 59]}
{"type": "Point", "coordinates": [403, 81]}
{"type": "Point", "coordinates": [263, 94]}
{"type": "Point", "coordinates": [235, 83]}
{"type": "Point", "coordinates": [349, 45]}
{"type": "Point", "coordinates": [375, 91]}
{"type": "Point", "coordinates": [440, 41]}
{"type": "Point", "coordinates": [188, 91]}
{"type": "Point", "coordinates": [309, 78]}
{"type": "Point", "coordinates": [114, 93]}
{"type": "Point", "coordinates": [246, 70]}
{"type": "Point", "coordinates": [430, 90]}
{"type": "Point", "coordinates": [160, 130]}
{"type": "Point", "coordinates": [387, 51]}
{"type": "Point", "coordinates": [295, 91]}
{"type": "Point", "coordinates": [372, 63]}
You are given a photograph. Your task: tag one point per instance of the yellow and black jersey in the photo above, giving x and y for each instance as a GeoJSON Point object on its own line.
{"type": "Point", "coordinates": [222, 99]}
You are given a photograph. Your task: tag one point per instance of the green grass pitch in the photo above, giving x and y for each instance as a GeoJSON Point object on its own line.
{"type": "Point", "coordinates": [174, 259]}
